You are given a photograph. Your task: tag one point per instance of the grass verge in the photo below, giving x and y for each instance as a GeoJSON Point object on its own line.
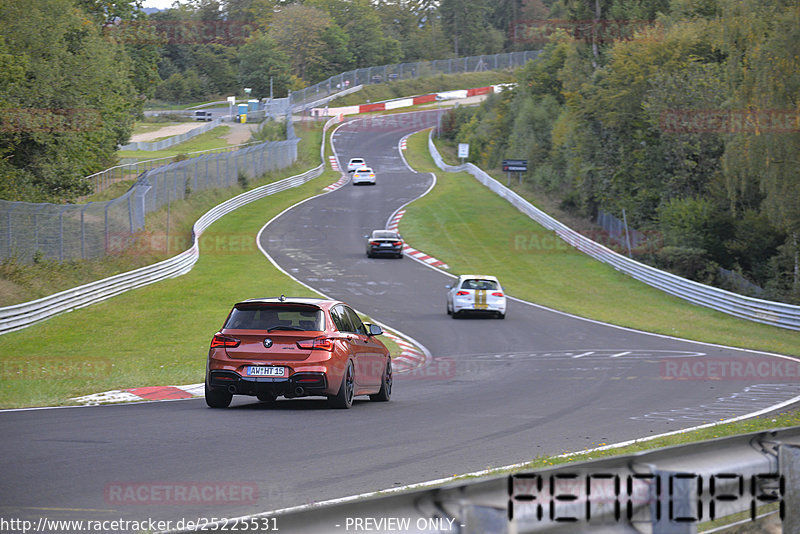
{"type": "Point", "coordinates": [477, 231]}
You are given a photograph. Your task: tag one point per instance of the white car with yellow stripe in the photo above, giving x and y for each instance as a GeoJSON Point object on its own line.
{"type": "Point", "coordinates": [478, 294]}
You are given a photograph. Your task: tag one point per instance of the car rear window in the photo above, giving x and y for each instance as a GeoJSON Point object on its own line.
{"type": "Point", "coordinates": [479, 284]}
{"type": "Point", "coordinates": [384, 235]}
{"type": "Point", "coordinates": [279, 317]}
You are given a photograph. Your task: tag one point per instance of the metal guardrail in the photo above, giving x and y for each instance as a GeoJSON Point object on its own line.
{"type": "Point", "coordinates": [662, 491]}
{"type": "Point", "coordinates": [20, 316]}
{"type": "Point", "coordinates": [753, 309]}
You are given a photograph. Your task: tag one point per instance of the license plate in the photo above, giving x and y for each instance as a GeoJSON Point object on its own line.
{"type": "Point", "coordinates": [386, 244]}
{"type": "Point", "coordinates": [254, 370]}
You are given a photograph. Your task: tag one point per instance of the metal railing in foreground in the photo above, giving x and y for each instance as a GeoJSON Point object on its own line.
{"type": "Point", "coordinates": [670, 490]}
{"type": "Point", "coordinates": [753, 309]}
{"type": "Point", "coordinates": [20, 316]}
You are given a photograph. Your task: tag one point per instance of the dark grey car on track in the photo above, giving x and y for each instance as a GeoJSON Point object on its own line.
{"type": "Point", "coordinates": [384, 243]}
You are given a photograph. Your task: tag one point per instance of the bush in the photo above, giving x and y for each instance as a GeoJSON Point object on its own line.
{"type": "Point", "coordinates": [688, 262]}
{"type": "Point", "coordinates": [243, 179]}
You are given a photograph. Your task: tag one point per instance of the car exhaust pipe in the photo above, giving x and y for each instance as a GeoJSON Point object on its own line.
{"type": "Point", "coordinates": [299, 390]}
{"type": "Point", "coordinates": [231, 389]}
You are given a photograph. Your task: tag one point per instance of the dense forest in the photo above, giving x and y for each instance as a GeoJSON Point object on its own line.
{"type": "Point", "coordinates": [687, 125]}
{"type": "Point", "coordinates": [75, 74]}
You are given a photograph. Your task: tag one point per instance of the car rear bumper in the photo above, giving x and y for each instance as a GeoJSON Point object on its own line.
{"type": "Point", "coordinates": [389, 251]}
{"type": "Point", "coordinates": [491, 308]}
{"type": "Point", "coordinates": [371, 181]}
{"type": "Point", "coordinates": [297, 385]}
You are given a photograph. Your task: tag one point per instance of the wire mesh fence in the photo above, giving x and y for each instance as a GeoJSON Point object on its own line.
{"type": "Point", "coordinates": [30, 231]}
{"type": "Point", "coordinates": [620, 233]}
{"type": "Point", "coordinates": [173, 140]}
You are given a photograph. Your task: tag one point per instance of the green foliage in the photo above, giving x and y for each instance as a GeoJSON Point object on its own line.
{"type": "Point", "coordinates": [298, 30]}
{"type": "Point", "coordinates": [695, 223]}
{"type": "Point", "coordinates": [358, 19]}
{"type": "Point", "coordinates": [262, 62]}
{"type": "Point", "coordinates": [467, 23]}
{"type": "Point", "coordinates": [243, 179]}
{"type": "Point", "coordinates": [629, 125]}
{"type": "Point", "coordinates": [270, 131]}
{"type": "Point", "coordinates": [68, 99]}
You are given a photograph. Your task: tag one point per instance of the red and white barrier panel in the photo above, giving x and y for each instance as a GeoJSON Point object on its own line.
{"type": "Point", "coordinates": [413, 101]}
{"type": "Point", "coordinates": [403, 103]}
{"type": "Point", "coordinates": [334, 163]}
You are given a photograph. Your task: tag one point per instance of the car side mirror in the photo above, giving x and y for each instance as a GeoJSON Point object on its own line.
{"type": "Point", "coordinates": [374, 330]}
{"type": "Point", "coordinates": [448, 286]}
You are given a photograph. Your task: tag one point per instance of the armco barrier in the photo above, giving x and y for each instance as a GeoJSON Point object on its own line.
{"type": "Point", "coordinates": [20, 316]}
{"type": "Point", "coordinates": [661, 491]}
{"type": "Point", "coordinates": [762, 311]}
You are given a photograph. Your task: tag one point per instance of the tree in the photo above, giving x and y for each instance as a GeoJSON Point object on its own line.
{"type": "Point", "coordinates": [369, 43]}
{"type": "Point", "coordinates": [218, 64]}
{"type": "Point", "coordinates": [298, 30]}
{"type": "Point", "coordinates": [761, 39]}
{"type": "Point", "coordinates": [75, 102]}
{"type": "Point", "coordinates": [262, 62]}
{"type": "Point", "coordinates": [338, 57]}
{"type": "Point", "coordinates": [467, 22]}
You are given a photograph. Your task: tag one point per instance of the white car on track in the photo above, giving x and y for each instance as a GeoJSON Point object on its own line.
{"type": "Point", "coordinates": [355, 163]}
{"type": "Point", "coordinates": [364, 175]}
{"type": "Point", "coordinates": [476, 294]}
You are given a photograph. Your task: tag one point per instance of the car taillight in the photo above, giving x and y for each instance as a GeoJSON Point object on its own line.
{"type": "Point", "coordinates": [220, 341]}
{"type": "Point", "coordinates": [397, 243]}
{"type": "Point", "coordinates": [497, 294]}
{"type": "Point", "coordinates": [318, 343]}
{"type": "Point", "coordinates": [374, 243]}
{"type": "Point", "coordinates": [462, 293]}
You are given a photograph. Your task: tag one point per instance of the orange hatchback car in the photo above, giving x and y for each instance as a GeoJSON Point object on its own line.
{"type": "Point", "coordinates": [297, 347]}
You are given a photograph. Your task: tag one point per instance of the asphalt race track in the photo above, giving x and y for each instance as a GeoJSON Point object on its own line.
{"type": "Point", "coordinates": [493, 392]}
